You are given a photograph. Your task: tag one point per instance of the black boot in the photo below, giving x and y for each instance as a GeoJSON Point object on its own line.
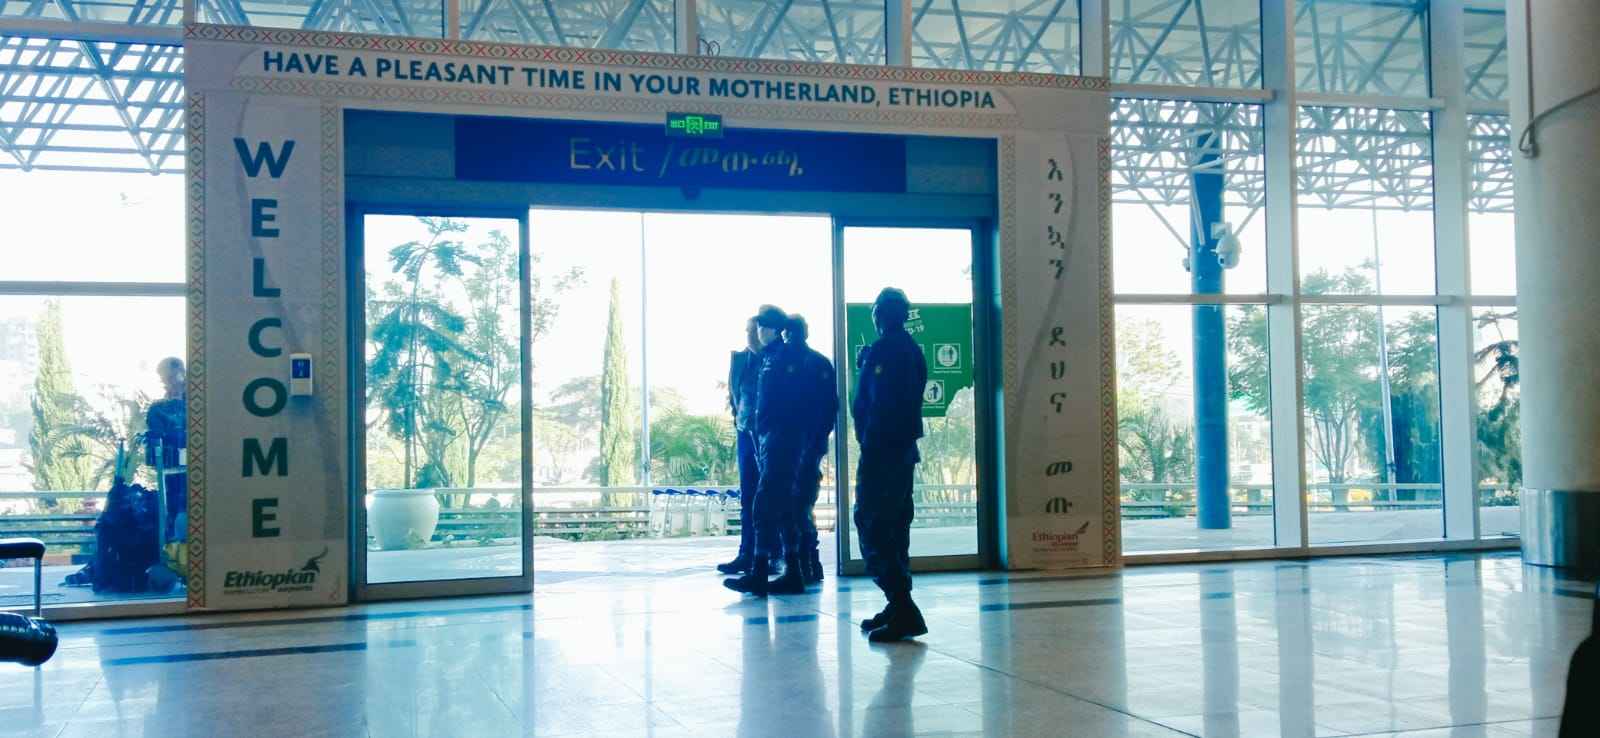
{"type": "Point", "coordinates": [876, 621]}
{"type": "Point", "coordinates": [739, 565]}
{"type": "Point", "coordinates": [752, 583]}
{"type": "Point", "coordinates": [904, 621]}
{"type": "Point", "coordinates": [793, 581]}
{"type": "Point", "coordinates": [814, 569]}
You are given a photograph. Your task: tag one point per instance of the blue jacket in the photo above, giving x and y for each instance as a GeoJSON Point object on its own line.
{"type": "Point", "coordinates": [821, 408]}
{"type": "Point", "coordinates": [887, 407]}
{"type": "Point", "coordinates": [780, 393]}
{"type": "Point", "coordinates": [744, 369]}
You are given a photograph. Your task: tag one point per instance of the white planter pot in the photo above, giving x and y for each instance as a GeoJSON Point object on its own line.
{"type": "Point", "coordinates": [394, 515]}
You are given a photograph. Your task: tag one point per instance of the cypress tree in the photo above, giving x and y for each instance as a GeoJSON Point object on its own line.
{"type": "Point", "coordinates": [61, 459]}
{"type": "Point", "coordinates": [619, 452]}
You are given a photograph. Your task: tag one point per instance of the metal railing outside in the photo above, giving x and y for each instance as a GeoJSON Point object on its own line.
{"type": "Point", "coordinates": [489, 514]}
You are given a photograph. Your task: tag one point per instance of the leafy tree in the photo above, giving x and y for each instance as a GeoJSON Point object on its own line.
{"type": "Point", "coordinates": [445, 370]}
{"type": "Point", "coordinates": [61, 457]}
{"type": "Point", "coordinates": [1341, 391]}
{"type": "Point", "coordinates": [491, 337]}
{"type": "Point", "coordinates": [1499, 457]}
{"type": "Point", "coordinates": [1414, 405]}
{"type": "Point", "coordinates": [1145, 365]}
{"type": "Point", "coordinates": [619, 449]}
{"type": "Point", "coordinates": [413, 371]}
{"type": "Point", "coordinates": [949, 443]}
{"type": "Point", "coordinates": [1339, 346]}
{"type": "Point", "coordinates": [1155, 448]}
{"type": "Point", "coordinates": [565, 425]}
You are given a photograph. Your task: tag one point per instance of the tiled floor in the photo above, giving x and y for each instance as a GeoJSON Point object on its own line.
{"type": "Point", "coordinates": [1454, 645]}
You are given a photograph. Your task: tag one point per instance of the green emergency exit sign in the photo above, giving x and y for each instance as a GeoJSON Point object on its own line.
{"type": "Point", "coordinates": [694, 125]}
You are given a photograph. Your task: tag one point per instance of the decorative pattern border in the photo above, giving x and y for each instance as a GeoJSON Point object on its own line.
{"type": "Point", "coordinates": [195, 146]}
{"type": "Point", "coordinates": [1111, 488]}
{"type": "Point", "coordinates": [330, 405]}
{"type": "Point", "coordinates": [598, 104]}
{"type": "Point", "coordinates": [681, 62]}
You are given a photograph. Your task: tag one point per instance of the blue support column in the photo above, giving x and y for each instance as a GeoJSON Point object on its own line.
{"type": "Point", "coordinates": [1210, 349]}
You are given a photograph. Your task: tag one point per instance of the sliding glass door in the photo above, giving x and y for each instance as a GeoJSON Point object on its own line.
{"type": "Point", "coordinates": [934, 266]}
{"type": "Point", "coordinates": [441, 404]}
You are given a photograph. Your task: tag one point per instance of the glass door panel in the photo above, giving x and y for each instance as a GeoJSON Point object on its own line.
{"type": "Point", "coordinates": [934, 268]}
{"type": "Point", "coordinates": [444, 412]}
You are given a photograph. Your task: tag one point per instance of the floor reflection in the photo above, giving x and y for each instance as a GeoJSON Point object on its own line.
{"type": "Point", "coordinates": [1415, 646]}
{"type": "Point", "coordinates": [892, 710]}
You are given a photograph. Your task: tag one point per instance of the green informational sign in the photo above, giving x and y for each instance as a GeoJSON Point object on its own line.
{"type": "Point", "coordinates": [693, 125]}
{"type": "Point", "coordinates": [945, 334]}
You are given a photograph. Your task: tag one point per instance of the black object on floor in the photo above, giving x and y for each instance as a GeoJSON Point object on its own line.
{"type": "Point", "coordinates": [1581, 715]}
{"type": "Point", "coordinates": [26, 640]}
{"type": "Point", "coordinates": [27, 548]}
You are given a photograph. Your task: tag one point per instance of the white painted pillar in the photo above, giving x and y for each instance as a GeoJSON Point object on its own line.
{"type": "Point", "coordinates": [1553, 57]}
{"type": "Point", "coordinates": [686, 34]}
{"type": "Point", "coordinates": [1451, 185]}
{"type": "Point", "coordinates": [897, 33]}
{"type": "Point", "coordinates": [1094, 38]}
{"type": "Point", "coordinates": [1283, 275]}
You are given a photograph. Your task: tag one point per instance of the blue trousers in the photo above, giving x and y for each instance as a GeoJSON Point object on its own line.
{"type": "Point", "coordinates": [807, 487]}
{"type": "Point", "coordinates": [749, 480]}
{"type": "Point", "coordinates": [778, 455]}
{"type": "Point", "coordinates": [883, 514]}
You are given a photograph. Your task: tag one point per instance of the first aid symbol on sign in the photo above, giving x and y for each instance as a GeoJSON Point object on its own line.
{"type": "Point", "coordinates": [947, 355]}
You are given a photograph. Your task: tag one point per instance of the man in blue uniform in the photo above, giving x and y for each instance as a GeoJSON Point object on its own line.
{"type": "Point", "coordinates": [743, 367]}
{"type": "Point", "coordinates": [780, 400]}
{"type": "Point", "coordinates": [822, 413]}
{"type": "Point", "coordinates": [887, 410]}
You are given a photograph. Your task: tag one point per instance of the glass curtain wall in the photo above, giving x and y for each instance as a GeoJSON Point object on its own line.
{"type": "Point", "coordinates": [92, 318]}
{"type": "Point", "coordinates": [1193, 395]}
{"type": "Point", "coordinates": [1491, 238]}
{"type": "Point", "coordinates": [996, 35]}
{"type": "Point", "coordinates": [1188, 43]}
{"type": "Point", "coordinates": [800, 30]}
{"type": "Point", "coordinates": [1370, 378]}
{"type": "Point", "coordinates": [1367, 285]}
{"type": "Point", "coordinates": [646, 25]}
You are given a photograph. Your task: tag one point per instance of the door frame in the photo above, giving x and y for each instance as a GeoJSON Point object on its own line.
{"type": "Point", "coordinates": [985, 321]}
{"type": "Point", "coordinates": [355, 284]}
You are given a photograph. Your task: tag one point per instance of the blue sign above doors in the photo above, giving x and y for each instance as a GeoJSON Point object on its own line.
{"type": "Point", "coordinates": [564, 152]}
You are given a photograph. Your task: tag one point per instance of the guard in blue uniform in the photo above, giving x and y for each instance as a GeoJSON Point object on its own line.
{"type": "Point", "coordinates": [822, 413]}
{"type": "Point", "coordinates": [743, 367]}
{"type": "Point", "coordinates": [887, 410]}
{"type": "Point", "coordinates": [780, 400]}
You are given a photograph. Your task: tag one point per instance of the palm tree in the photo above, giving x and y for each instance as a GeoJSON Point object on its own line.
{"type": "Point", "coordinates": [693, 449]}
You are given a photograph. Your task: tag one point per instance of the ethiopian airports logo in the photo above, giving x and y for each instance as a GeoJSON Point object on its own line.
{"type": "Point", "coordinates": [1056, 541]}
{"type": "Point", "coordinates": [260, 581]}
